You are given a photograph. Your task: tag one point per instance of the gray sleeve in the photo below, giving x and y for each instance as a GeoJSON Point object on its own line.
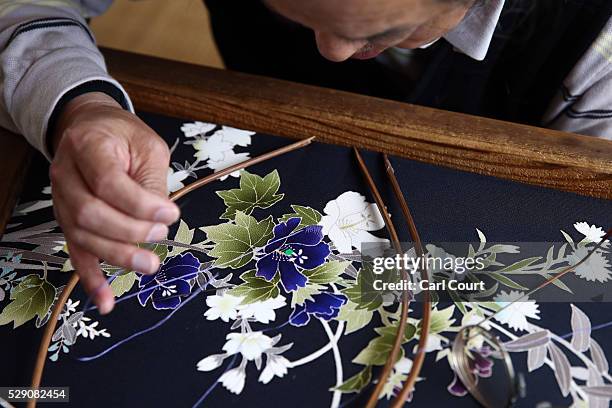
{"type": "Point", "coordinates": [584, 102]}
{"type": "Point", "coordinates": [46, 52]}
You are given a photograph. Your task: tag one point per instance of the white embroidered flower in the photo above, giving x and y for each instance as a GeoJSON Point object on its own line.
{"type": "Point", "coordinates": [225, 160]}
{"type": "Point", "coordinates": [222, 306]}
{"type": "Point", "coordinates": [251, 344]}
{"type": "Point", "coordinates": [234, 380]}
{"type": "Point", "coordinates": [275, 366]}
{"type": "Point", "coordinates": [397, 377]}
{"type": "Point", "coordinates": [515, 315]}
{"type": "Point", "coordinates": [236, 136]}
{"type": "Point", "coordinates": [197, 128]}
{"type": "Point", "coordinates": [434, 342]}
{"type": "Point", "coordinates": [591, 232]}
{"type": "Point", "coordinates": [596, 268]}
{"type": "Point", "coordinates": [262, 312]}
{"type": "Point", "coordinates": [175, 179]}
{"type": "Point", "coordinates": [348, 219]}
{"type": "Point", "coordinates": [211, 362]}
{"type": "Point", "coordinates": [222, 141]}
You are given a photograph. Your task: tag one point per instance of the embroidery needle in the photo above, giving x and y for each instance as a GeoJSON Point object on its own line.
{"type": "Point", "coordinates": [72, 282]}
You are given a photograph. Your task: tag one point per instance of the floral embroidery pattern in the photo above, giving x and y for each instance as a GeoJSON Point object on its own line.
{"type": "Point", "coordinates": [264, 274]}
{"type": "Point", "coordinates": [170, 284]}
{"type": "Point", "coordinates": [290, 251]}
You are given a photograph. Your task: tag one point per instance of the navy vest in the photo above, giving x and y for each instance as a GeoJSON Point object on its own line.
{"type": "Point", "coordinates": [534, 47]}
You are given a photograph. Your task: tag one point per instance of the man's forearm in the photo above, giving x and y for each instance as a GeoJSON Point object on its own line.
{"type": "Point", "coordinates": [47, 57]}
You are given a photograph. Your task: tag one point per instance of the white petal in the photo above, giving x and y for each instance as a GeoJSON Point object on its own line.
{"type": "Point", "coordinates": [233, 380]}
{"type": "Point", "coordinates": [211, 362]}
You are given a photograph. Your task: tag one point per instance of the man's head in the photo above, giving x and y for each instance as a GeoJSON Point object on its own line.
{"type": "Point", "coordinates": [364, 28]}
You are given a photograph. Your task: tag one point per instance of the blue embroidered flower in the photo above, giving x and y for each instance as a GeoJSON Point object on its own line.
{"type": "Point", "coordinates": [171, 283]}
{"type": "Point", "coordinates": [324, 305]}
{"type": "Point", "coordinates": [291, 251]}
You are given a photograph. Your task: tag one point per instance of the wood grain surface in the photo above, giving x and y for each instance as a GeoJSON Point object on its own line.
{"type": "Point", "coordinates": [15, 155]}
{"type": "Point", "coordinates": [542, 157]}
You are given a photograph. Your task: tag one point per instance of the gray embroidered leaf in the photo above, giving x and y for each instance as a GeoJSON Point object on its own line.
{"type": "Point", "coordinates": [594, 377]}
{"type": "Point", "coordinates": [356, 382]}
{"type": "Point", "coordinates": [528, 341]}
{"type": "Point", "coordinates": [535, 358]}
{"type": "Point", "coordinates": [504, 280]}
{"type": "Point", "coordinates": [69, 333]}
{"type": "Point", "coordinates": [598, 357]}
{"type": "Point", "coordinates": [254, 192]}
{"type": "Point", "coordinates": [562, 368]}
{"type": "Point", "coordinates": [604, 391]}
{"type": "Point", "coordinates": [581, 330]}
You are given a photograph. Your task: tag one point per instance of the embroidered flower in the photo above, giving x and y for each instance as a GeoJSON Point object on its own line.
{"type": "Point", "coordinates": [324, 306]}
{"type": "Point", "coordinates": [211, 362]}
{"type": "Point", "coordinates": [348, 219]}
{"type": "Point", "coordinates": [515, 316]}
{"type": "Point", "coordinates": [174, 179]}
{"type": "Point", "coordinates": [229, 307]}
{"type": "Point", "coordinates": [224, 306]}
{"type": "Point", "coordinates": [596, 268]}
{"type": "Point", "coordinates": [263, 312]}
{"type": "Point", "coordinates": [221, 142]}
{"type": "Point", "coordinates": [481, 365]}
{"type": "Point", "coordinates": [591, 232]}
{"type": "Point", "coordinates": [225, 160]}
{"type": "Point", "coordinates": [197, 128]}
{"type": "Point", "coordinates": [291, 251]}
{"type": "Point", "coordinates": [250, 344]}
{"type": "Point", "coordinates": [170, 284]}
{"type": "Point", "coordinates": [234, 380]}
{"type": "Point", "coordinates": [276, 365]}
{"type": "Point", "coordinates": [397, 378]}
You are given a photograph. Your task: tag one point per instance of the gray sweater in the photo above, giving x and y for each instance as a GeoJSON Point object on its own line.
{"type": "Point", "coordinates": [47, 51]}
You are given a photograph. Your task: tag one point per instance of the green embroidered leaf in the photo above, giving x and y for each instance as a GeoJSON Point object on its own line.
{"type": "Point", "coordinates": [160, 250]}
{"type": "Point", "coordinates": [355, 318]}
{"type": "Point", "coordinates": [329, 272]}
{"type": "Point", "coordinates": [309, 216]}
{"type": "Point", "coordinates": [235, 241]}
{"type": "Point", "coordinates": [441, 320]}
{"type": "Point", "coordinates": [123, 283]}
{"type": "Point", "coordinates": [504, 280]}
{"type": "Point", "coordinates": [32, 297]}
{"type": "Point", "coordinates": [254, 192]}
{"type": "Point", "coordinates": [520, 265]}
{"type": "Point", "coordinates": [184, 235]}
{"type": "Point", "coordinates": [356, 382]}
{"type": "Point", "coordinates": [363, 291]}
{"type": "Point", "coordinates": [255, 289]}
{"type": "Point", "coordinates": [378, 349]}
{"type": "Point", "coordinates": [305, 293]}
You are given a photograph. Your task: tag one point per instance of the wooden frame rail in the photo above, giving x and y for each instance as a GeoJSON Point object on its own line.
{"type": "Point", "coordinates": [543, 157]}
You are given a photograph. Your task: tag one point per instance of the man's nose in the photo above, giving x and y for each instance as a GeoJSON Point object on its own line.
{"type": "Point", "coordinates": [335, 48]}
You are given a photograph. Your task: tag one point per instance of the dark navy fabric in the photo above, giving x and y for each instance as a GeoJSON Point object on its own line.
{"type": "Point", "coordinates": [159, 368]}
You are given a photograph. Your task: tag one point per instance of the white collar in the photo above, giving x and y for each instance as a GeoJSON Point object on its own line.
{"type": "Point", "coordinates": [474, 33]}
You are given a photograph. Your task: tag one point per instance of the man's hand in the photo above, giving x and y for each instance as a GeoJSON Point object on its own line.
{"type": "Point", "coordinates": [109, 190]}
